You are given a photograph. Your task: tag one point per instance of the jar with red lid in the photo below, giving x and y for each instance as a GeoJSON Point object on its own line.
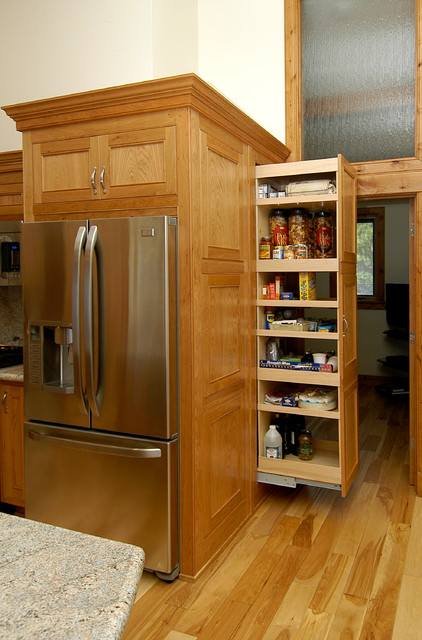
{"type": "Point", "coordinates": [323, 234]}
{"type": "Point", "coordinates": [265, 248]}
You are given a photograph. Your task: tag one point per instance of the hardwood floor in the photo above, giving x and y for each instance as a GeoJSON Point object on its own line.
{"type": "Point", "coordinates": [311, 565]}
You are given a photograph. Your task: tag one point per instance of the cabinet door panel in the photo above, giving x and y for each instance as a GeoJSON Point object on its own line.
{"type": "Point", "coordinates": [140, 163]}
{"type": "Point", "coordinates": [63, 169]}
{"type": "Point", "coordinates": [11, 422]}
{"type": "Point", "coordinates": [221, 500]}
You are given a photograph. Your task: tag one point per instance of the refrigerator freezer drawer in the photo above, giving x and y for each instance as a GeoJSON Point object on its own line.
{"type": "Point", "coordinates": [112, 486]}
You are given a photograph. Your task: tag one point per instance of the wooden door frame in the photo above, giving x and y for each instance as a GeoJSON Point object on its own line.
{"type": "Point", "coordinates": [395, 178]}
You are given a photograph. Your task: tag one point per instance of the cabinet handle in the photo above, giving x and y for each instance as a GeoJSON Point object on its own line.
{"type": "Point", "coordinates": [346, 326]}
{"type": "Point", "coordinates": [3, 402]}
{"type": "Point", "coordinates": [94, 171]}
{"type": "Point", "coordinates": [102, 178]}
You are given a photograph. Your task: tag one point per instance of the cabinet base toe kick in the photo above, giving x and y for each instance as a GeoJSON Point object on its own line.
{"type": "Point", "coordinates": [288, 481]}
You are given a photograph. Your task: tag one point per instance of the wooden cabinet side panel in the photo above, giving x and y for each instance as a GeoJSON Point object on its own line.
{"type": "Point", "coordinates": [12, 455]}
{"type": "Point", "coordinates": [221, 336]}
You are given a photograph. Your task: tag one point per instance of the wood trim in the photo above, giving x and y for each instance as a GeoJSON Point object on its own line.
{"type": "Point", "coordinates": [293, 77]}
{"type": "Point", "coordinates": [146, 97]}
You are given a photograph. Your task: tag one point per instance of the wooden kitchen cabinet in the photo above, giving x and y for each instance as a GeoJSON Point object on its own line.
{"type": "Point", "coordinates": [11, 441]}
{"type": "Point", "coordinates": [176, 146]}
{"type": "Point", "coordinates": [335, 460]}
{"type": "Point", "coordinates": [11, 185]}
{"type": "Point", "coordinates": [101, 167]}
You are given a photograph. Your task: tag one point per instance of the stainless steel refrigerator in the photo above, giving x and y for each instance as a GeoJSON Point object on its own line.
{"type": "Point", "coordinates": [100, 380]}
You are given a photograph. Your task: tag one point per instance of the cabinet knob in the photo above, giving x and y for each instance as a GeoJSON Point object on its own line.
{"type": "Point", "coordinates": [3, 401]}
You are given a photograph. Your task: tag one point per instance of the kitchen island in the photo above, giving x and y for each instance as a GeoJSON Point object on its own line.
{"type": "Point", "coordinates": [61, 584]}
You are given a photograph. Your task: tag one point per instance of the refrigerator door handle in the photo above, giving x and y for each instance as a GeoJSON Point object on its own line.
{"type": "Point", "coordinates": [78, 248]}
{"type": "Point", "coordinates": [94, 247]}
{"type": "Point", "coordinates": [66, 441]}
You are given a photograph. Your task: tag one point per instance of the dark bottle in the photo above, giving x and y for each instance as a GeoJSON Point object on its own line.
{"type": "Point", "coordinates": [296, 425]}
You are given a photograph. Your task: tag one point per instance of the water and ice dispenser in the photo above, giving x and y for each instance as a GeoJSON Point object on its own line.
{"type": "Point", "coordinates": [51, 358]}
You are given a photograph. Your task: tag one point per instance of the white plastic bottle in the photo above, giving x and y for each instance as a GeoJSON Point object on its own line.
{"type": "Point", "coordinates": [273, 443]}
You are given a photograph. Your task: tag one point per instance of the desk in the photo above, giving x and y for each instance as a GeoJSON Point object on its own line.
{"type": "Point", "coordinates": [64, 585]}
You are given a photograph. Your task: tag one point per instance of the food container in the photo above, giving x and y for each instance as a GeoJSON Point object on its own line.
{"type": "Point", "coordinates": [319, 358]}
{"type": "Point", "coordinates": [278, 253]}
{"type": "Point", "coordinates": [307, 286]}
{"type": "Point", "coordinates": [299, 227]}
{"type": "Point", "coordinates": [279, 227]}
{"type": "Point", "coordinates": [323, 234]}
{"type": "Point", "coordinates": [290, 252]}
{"type": "Point", "coordinates": [265, 248]}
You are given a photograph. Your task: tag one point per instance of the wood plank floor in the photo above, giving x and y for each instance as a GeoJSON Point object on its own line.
{"type": "Point", "coordinates": [311, 565]}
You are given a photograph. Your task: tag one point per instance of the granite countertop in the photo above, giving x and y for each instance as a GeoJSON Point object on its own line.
{"type": "Point", "coordinates": [12, 374]}
{"type": "Point", "coordinates": [57, 584]}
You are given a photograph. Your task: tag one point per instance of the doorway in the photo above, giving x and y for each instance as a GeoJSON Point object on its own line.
{"type": "Point", "coordinates": [383, 329]}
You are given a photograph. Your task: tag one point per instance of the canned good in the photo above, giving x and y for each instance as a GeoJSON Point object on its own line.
{"type": "Point", "coordinates": [301, 251]}
{"type": "Point", "coordinates": [290, 252]}
{"type": "Point", "coordinates": [278, 253]}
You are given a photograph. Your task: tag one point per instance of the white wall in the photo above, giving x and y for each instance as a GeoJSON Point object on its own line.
{"type": "Point", "coordinates": [56, 47]}
{"type": "Point", "coordinates": [241, 53]}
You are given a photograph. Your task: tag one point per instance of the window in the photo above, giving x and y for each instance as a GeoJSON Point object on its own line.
{"type": "Point", "coordinates": [370, 258]}
{"type": "Point", "coordinates": [358, 79]}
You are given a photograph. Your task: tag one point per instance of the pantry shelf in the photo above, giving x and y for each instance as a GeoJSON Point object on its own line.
{"type": "Point", "coordinates": [317, 335]}
{"type": "Point", "coordinates": [299, 376]}
{"type": "Point", "coordinates": [326, 303]}
{"type": "Point", "coordinates": [317, 265]}
{"type": "Point", "coordinates": [274, 408]}
{"type": "Point", "coordinates": [316, 225]}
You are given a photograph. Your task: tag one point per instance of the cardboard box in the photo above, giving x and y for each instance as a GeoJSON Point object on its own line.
{"type": "Point", "coordinates": [307, 286]}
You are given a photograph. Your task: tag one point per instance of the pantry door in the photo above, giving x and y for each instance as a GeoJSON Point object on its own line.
{"type": "Point", "coordinates": [347, 326]}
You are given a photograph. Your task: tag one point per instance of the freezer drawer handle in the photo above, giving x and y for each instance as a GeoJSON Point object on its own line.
{"type": "Point", "coordinates": [127, 452]}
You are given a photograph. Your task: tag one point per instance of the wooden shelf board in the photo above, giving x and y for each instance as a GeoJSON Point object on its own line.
{"type": "Point", "coordinates": [298, 377]}
{"type": "Point", "coordinates": [273, 408]}
{"type": "Point", "coordinates": [317, 265]}
{"type": "Point", "coordinates": [319, 335]}
{"type": "Point", "coordinates": [293, 169]}
{"type": "Point", "coordinates": [319, 199]}
{"type": "Point", "coordinates": [324, 466]}
{"type": "Point", "coordinates": [323, 304]}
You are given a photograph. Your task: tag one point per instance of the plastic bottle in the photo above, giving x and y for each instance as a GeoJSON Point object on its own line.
{"type": "Point", "coordinates": [273, 443]}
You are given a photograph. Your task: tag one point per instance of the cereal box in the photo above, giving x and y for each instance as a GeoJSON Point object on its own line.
{"type": "Point", "coordinates": [307, 286]}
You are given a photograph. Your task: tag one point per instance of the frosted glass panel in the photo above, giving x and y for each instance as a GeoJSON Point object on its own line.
{"type": "Point", "coordinates": [358, 78]}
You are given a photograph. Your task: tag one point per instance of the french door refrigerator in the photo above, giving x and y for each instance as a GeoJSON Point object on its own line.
{"type": "Point", "coordinates": [100, 380]}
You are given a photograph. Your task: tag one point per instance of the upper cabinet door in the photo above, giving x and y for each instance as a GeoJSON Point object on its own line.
{"type": "Point", "coordinates": [121, 165]}
{"type": "Point", "coordinates": [63, 170]}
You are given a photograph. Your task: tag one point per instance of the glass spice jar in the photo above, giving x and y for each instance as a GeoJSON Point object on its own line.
{"type": "Point", "coordinates": [304, 448]}
{"type": "Point", "coordinates": [265, 248]}
{"type": "Point", "coordinates": [323, 234]}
